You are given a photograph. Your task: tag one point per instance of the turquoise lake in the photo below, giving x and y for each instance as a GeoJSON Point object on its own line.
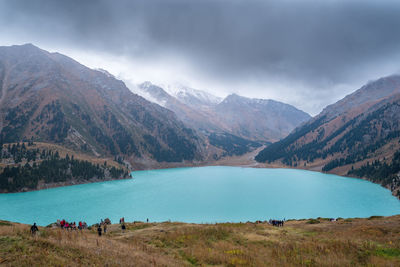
{"type": "Point", "coordinates": [204, 195]}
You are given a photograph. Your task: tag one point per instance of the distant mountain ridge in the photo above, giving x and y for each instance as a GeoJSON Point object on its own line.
{"type": "Point", "coordinates": [203, 120]}
{"type": "Point", "coordinates": [260, 119]}
{"type": "Point", "coordinates": [253, 119]}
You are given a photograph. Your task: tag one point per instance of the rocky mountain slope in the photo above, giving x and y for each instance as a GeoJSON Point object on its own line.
{"type": "Point", "coordinates": [253, 119]}
{"type": "Point", "coordinates": [50, 97]}
{"type": "Point", "coordinates": [362, 128]}
{"type": "Point", "coordinates": [259, 119]}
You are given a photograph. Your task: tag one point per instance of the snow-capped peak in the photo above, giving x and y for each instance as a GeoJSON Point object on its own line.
{"type": "Point", "coordinates": [190, 95]}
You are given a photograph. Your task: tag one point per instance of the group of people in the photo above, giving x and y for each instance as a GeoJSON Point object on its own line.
{"type": "Point", "coordinates": [103, 223]}
{"type": "Point", "coordinates": [71, 225]}
{"type": "Point", "coordinates": [101, 227]}
{"type": "Point", "coordinates": [277, 223]}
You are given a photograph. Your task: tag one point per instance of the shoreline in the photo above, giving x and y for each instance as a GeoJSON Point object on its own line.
{"type": "Point", "coordinates": [65, 184]}
{"type": "Point", "coordinates": [245, 161]}
{"type": "Point", "coordinates": [258, 166]}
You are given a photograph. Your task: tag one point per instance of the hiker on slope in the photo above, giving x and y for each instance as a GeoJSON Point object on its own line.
{"type": "Point", "coordinates": [34, 229]}
{"type": "Point", "coordinates": [99, 230]}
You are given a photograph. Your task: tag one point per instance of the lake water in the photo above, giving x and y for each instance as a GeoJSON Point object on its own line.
{"type": "Point", "coordinates": [204, 194]}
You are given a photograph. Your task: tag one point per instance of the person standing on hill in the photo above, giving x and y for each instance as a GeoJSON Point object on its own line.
{"type": "Point", "coordinates": [34, 229]}
{"type": "Point", "coordinates": [105, 228]}
{"type": "Point", "coordinates": [99, 230]}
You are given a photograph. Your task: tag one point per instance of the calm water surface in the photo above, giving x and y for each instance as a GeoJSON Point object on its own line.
{"type": "Point", "coordinates": [205, 194]}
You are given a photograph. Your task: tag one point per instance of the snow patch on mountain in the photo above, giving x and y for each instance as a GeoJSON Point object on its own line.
{"type": "Point", "coordinates": [190, 95]}
{"type": "Point", "coordinates": [142, 91]}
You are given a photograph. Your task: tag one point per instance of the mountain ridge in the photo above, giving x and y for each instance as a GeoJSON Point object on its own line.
{"type": "Point", "coordinates": [361, 128]}
{"type": "Point", "coordinates": [226, 116]}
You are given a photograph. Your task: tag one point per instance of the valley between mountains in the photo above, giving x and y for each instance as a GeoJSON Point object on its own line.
{"type": "Point", "coordinates": [61, 119]}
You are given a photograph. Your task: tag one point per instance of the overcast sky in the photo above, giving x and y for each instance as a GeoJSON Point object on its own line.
{"type": "Point", "coordinates": [305, 53]}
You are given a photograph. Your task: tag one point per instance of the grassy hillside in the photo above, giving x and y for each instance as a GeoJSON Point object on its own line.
{"type": "Point", "coordinates": [350, 242]}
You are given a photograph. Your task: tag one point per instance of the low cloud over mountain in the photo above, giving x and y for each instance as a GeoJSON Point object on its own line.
{"type": "Point", "coordinates": [307, 53]}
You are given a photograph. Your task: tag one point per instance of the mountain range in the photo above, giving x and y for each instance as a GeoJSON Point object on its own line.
{"type": "Point", "coordinates": [262, 120]}
{"type": "Point", "coordinates": [49, 97]}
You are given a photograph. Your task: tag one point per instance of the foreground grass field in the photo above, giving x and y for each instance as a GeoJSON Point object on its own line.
{"type": "Point", "coordinates": [351, 242]}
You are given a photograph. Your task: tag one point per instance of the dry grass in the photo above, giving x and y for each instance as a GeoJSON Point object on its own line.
{"type": "Point", "coordinates": [356, 242]}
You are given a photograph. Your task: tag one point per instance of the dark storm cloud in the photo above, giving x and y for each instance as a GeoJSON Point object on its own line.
{"type": "Point", "coordinates": [316, 43]}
